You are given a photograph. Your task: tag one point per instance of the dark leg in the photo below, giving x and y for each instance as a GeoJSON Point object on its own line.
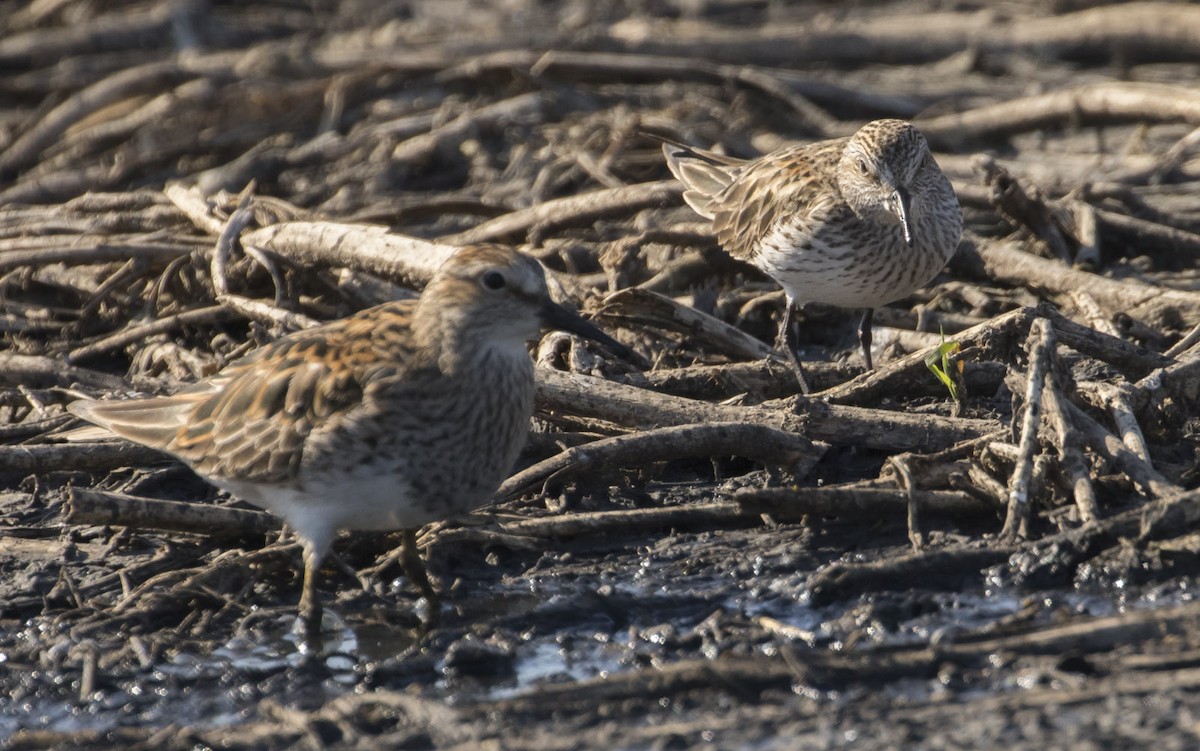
{"type": "Point", "coordinates": [410, 562]}
{"type": "Point", "coordinates": [864, 336]}
{"type": "Point", "coordinates": [786, 341]}
{"type": "Point", "coordinates": [310, 604]}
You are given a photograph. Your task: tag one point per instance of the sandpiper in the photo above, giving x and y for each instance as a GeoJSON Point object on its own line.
{"type": "Point", "coordinates": [397, 416]}
{"type": "Point", "coordinates": [855, 222]}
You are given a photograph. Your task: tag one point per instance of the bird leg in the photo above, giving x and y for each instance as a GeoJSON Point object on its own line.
{"type": "Point", "coordinates": [864, 335]}
{"type": "Point", "coordinates": [310, 603]}
{"type": "Point", "coordinates": [786, 341]}
{"type": "Point", "coordinates": [414, 569]}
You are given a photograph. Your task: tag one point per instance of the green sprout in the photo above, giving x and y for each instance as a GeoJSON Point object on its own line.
{"type": "Point", "coordinates": [943, 353]}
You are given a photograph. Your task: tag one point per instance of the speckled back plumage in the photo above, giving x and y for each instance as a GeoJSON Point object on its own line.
{"type": "Point", "coordinates": [811, 216]}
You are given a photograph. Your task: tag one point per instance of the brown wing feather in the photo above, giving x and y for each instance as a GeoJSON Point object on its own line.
{"type": "Point", "coordinates": [249, 421]}
{"type": "Point", "coordinates": [773, 189]}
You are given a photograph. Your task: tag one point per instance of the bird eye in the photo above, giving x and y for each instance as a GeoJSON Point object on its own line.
{"type": "Point", "coordinates": [863, 168]}
{"type": "Point", "coordinates": [493, 280]}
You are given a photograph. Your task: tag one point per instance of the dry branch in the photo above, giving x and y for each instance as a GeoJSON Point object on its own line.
{"type": "Point", "coordinates": [772, 447]}
{"type": "Point", "coordinates": [116, 509]}
{"type": "Point", "coordinates": [571, 211]}
{"type": "Point", "coordinates": [1006, 262]}
{"type": "Point", "coordinates": [1139, 102]}
{"type": "Point", "coordinates": [573, 394]}
{"type": "Point", "coordinates": [657, 312]}
{"type": "Point", "coordinates": [1140, 30]}
{"type": "Point", "coordinates": [361, 247]}
{"type": "Point", "coordinates": [24, 151]}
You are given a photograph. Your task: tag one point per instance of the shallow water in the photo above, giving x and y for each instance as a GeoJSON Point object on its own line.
{"type": "Point", "coordinates": [523, 632]}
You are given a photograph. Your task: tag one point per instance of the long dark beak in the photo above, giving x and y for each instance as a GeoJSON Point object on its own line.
{"type": "Point", "coordinates": [555, 316]}
{"type": "Point", "coordinates": [902, 205]}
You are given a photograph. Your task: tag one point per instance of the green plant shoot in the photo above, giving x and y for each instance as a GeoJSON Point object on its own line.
{"type": "Point", "coordinates": [938, 361]}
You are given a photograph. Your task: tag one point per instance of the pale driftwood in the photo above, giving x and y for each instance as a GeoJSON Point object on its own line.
{"type": "Point", "coordinates": [366, 248]}
{"type": "Point", "coordinates": [574, 394]}
{"type": "Point", "coordinates": [193, 204]}
{"type": "Point", "coordinates": [86, 506]}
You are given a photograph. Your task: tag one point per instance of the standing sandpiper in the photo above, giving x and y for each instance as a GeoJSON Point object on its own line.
{"type": "Point", "coordinates": [392, 418]}
{"type": "Point", "coordinates": [855, 222]}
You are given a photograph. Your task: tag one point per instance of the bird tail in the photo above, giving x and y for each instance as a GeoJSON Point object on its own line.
{"type": "Point", "coordinates": [152, 422]}
{"type": "Point", "coordinates": [703, 173]}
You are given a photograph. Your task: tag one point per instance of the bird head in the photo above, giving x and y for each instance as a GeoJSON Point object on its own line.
{"type": "Point", "coordinates": [878, 168]}
{"type": "Point", "coordinates": [494, 294]}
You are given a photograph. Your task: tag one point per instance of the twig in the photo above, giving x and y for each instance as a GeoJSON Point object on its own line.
{"type": "Point", "coordinates": [1088, 252]}
{"type": "Point", "coordinates": [794, 453]}
{"type": "Point", "coordinates": [192, 203]}
{"type": "Point", "coordinates": [1025, 208]}
{"type": "Point", "coordinates": [762, 379]}
{"type": "Point", "coordinates": [1070, 451]}
{"type": "Point", "coordinates": [210, 315]}
{"type": "Point", "coordinates": [1126, 421]}
{"type": "Point", "coordinates": [611, 523]}
{"type": "Point", "coordinates": [1143, 30]}
{"type": "Point", "coordinates": [129, 82]}
{"type": "Point", "coordinates": [226, 241]}
{"type": "Point", "coordinates": [528, 106]}
{"type": "Point", "coordinates": [1114, 450]}
{"type": "Point", "coordinates": [1187, 342]}
{"type": "Point", "coordinates": [1145, 236]}
{"type": "Point", "coordinates": [909, 486]}
{"type": "Point", "coordinates": [925, 570]}
{"type": "Point", "coordinates": [655, 311]}
{"type": "Point", "coordinates": [1041, 341]}
{"type": "Point", "coordinates": [581, 209]}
